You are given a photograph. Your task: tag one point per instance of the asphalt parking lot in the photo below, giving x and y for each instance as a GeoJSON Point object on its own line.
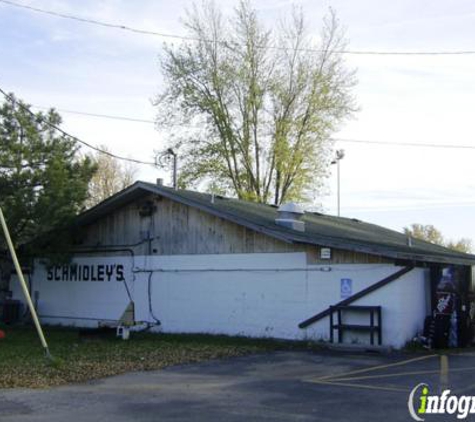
{"type": "Point", "coordinates": [282, 386]}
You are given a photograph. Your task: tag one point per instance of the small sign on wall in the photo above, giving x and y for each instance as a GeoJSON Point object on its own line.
{"type": "Point", "coordinates": [325, 253]}
{"type": "Point", "coordinates": [346, 287]}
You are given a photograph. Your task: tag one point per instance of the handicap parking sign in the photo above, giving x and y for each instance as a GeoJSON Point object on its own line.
{"type": "Point", "coordinates": [346, 288]}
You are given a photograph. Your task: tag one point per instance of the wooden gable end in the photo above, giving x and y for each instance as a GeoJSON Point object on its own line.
{"type": "Point", "coordinates": [159, 226]}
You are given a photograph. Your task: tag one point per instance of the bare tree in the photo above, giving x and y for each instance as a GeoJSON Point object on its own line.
{"type": "Point", "coordinates": [260, 104]}
{"type": "Point", "coordinates": [111, 177]}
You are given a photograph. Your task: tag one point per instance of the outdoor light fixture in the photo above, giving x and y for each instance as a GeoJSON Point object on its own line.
{"type": "Point", "coordinates": [340, 154]}
{"type": "Point", "coordinates": [164, 158]}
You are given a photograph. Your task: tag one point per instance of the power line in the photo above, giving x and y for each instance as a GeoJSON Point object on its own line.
{"type": "Point", "coordinates": [94, 21]}
{"type": "Point", "coordinates": [405, 144]}
{"type": "Point", "coordinates": [105, 116]}
{"type": "Point", "coordinates": [93, 147]}
{"type": "Point", "coordinates": [188, 38]}
{"type": "Point", "coordinates": [415, 207]}
{"type": "Point", "coordinates": [346, 140]}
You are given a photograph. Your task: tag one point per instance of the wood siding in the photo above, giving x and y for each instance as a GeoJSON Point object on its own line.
{"type": "Point", "coordinates": [175, 229]}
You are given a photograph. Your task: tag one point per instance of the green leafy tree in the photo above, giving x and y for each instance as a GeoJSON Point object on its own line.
{"type": "Point", "coordinates": [255, 107]}
{"type": "Point", "coordinates": [43, 178]}
{"type": "Point", "coordinates": [430, 234]}
{"type": "Point", "coordinates": [425, 232]}
{"type": "Point", "coordinates": [461, 245]}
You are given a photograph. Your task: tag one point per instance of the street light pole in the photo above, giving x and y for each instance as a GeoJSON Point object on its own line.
{"type": "Point", "coordinates": [175, 170]}
{"type": "Point", "coordinates": [338, 157]}
{"type": "Point", "coordinates": [338, 184]}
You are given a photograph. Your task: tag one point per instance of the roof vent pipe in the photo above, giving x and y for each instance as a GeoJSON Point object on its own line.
{"type": "Point", "coordinates": [290, 215]}
{"type": "Point", "coordinates": [159, 182]}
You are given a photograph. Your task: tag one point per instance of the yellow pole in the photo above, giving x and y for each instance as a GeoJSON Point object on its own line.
{"type": "Point", "coordinates": [23, 284]}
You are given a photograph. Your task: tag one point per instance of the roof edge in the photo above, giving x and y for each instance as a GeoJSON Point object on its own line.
{"type": "Point", "coordinates": [133, 191]}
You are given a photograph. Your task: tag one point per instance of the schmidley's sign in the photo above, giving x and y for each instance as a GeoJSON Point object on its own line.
{"type": "Point", "coordinates": [86, 272]}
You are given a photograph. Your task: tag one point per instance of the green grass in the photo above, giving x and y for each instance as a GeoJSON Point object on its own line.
{"type": "Point", "coordinates": [78, 358]}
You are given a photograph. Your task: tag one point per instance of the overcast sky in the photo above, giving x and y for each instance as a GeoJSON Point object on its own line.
{"type": "Point", "coordinates": [53, 62]}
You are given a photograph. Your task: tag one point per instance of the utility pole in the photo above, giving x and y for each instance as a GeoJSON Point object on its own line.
{"type": "Point", "coordinates": [338, 157]}
{"type": "Point", "coordinates": [163, 160]}
{"type": "Point", "coordinates": [175, 170]}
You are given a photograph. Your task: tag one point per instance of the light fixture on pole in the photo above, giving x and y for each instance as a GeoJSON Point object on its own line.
{"type": "Point", "coordinates": [175, 170]}
{"type": "Point", "coordinates": [340, 153]}
{"type": "Point", "coordinates": [163, 160]}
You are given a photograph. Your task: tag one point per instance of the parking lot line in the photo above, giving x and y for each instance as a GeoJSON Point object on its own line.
{"type": "Point", "coordinates": [380, 376]}
{"type": "Point", "coordinates": [364, 386]}
{"type": "Point", "coordinates": [471, 354]}
{"type": "Point", "coordinates": [375, 368]}
{"type": "Point", "coordinates": [351, 379]}
{"type": "Point", "coordinates": [444, 372]}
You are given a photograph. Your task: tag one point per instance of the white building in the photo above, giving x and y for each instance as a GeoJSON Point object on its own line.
{"type": "Point", "coordinates": [193, 262]}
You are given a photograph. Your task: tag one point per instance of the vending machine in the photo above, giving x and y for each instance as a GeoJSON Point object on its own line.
{"type": "Point", "coordinates": [452, 306]}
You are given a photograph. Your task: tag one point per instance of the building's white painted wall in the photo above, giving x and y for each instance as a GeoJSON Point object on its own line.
{"type": "Point", "coordinates": [238, 294]}
{"type": "Point", "coordinates": [80, 299]}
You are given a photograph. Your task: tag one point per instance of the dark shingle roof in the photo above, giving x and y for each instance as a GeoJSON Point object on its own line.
{"type": "Point", "coordinates": [322, 230]}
